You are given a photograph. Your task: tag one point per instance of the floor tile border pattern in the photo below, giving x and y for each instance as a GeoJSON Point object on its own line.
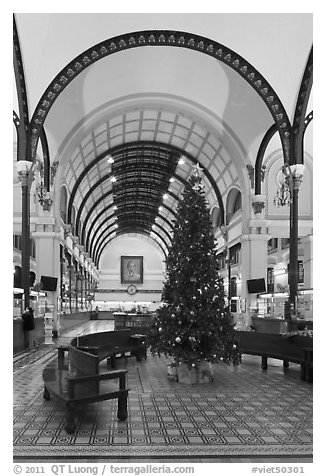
{"type": "Point", "coordinates": [206, 421]}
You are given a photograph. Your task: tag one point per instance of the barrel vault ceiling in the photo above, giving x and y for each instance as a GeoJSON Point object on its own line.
{"type": "Point", "coordinates": [119, 130]}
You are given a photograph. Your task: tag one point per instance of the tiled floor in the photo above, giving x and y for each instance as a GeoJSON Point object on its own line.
{"type": "Point", "coordinates": [245, 414]}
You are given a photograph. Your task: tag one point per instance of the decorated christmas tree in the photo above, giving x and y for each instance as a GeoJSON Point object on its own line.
{"type": "Point", "coordinates": [193, 324]}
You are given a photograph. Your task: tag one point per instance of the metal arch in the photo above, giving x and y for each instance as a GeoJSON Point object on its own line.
{"type": "Point", "coordinates": [139, 232]}
{"type": "Point", "coordinates": [17, 126]}
{"type": "Point", "coordinates": [105, 209]}
{"type": "Point", "coordinates": [137, 225]}
{"type": "Point", "coordinates": [134, 229]}
{"type": "Point", "coordinates": [161, 228]}
{"type": "Point", "coordinates": [165, 38]}
{"type": "Point", "coordinates": [91, 190]}
{"type": "Point", "coordinates": [90, 241]}
{"type": "Point", "coordinates": [85, 221]}
{"type": "Point", "coordinates": [116, 150]}
{"type": "Point", "coordinates": [119, 153]}
{"type": "Point", "coordinates": [120, 149]}
{"type": "Point", "coordinates": [86, 197]}
{"type": "Point", "coordinates": [23, 129]}
{"type": "Point", "coordinates": [308, 119]}
{"type": "Point", "coordinates": [108, 235]}
{"type": "Point", "coordinates": [16, 120]}
{"type": "Point", "coordinates": [46, 159]}
{"type": "Point", "coordinates": [300, 110]}
{"type": "Point", "coordinates": [260, 157]}
{"type": "Point", "coordinates": [92, 244]}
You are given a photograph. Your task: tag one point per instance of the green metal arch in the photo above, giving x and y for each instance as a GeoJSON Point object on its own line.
{"type": "Point", "coordinates": [170, 38]}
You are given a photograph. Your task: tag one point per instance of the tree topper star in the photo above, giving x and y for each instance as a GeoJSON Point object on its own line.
{"type": "Point", "coordinates": [197, 170]}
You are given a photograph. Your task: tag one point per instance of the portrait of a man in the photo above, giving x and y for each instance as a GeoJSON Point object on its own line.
{"type": "Point", "coordinates": [131, 269]}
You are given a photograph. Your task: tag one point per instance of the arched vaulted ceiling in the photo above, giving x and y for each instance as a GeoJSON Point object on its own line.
{"type": "Point", "coordinates": [149, 175]}
{"type": "Point", "coordinates": [148, 107]}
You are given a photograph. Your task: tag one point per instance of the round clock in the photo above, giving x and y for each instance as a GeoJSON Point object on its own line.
{"type": "Point", "coordinates": [131, 289]}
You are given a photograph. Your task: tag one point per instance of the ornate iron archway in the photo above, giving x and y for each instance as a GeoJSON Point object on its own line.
{"type": "Point", "coordinates": [170, 38]}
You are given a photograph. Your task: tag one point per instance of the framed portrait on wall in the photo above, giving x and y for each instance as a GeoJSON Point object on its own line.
{"type": "Point", "coordinates": [131, 269]}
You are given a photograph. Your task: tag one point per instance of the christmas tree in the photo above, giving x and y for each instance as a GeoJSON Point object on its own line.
{"type": "Point", "coordinates": [193, 324]}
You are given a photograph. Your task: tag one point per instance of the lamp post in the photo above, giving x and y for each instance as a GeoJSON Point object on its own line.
{"type": "Point", "coordinates": [293, 178]}
{"type": "Point", "coordinates": [25, 175]}
{"type": "Point", "coordinates": [225, 235]}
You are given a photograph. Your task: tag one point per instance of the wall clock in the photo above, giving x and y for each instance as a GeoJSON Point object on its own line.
{"type": "Point", "coordinates": [131, 289]}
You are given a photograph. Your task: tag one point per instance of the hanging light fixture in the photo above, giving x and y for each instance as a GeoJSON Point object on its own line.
{"type": "Point", "coordinates": [283, 196]}
{"type": "Point", "coordinates": [44, 197]}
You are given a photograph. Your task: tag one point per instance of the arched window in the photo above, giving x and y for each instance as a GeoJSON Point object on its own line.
{"type": "Point", "coordinates": [216, 218]}
{"type": "Point", "coordinates": [63, 203]}
{"type": "Point", "coordinates": [73, 220]}
{"type": "Point", "coordinates": [233, 203]}
{"type": "Point", "coordinates": [237, 203]}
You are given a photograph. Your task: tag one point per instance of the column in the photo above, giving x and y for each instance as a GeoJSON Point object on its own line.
{"type": "Point", "coordinates": [71, 272]}
{"type": "Point", "coordinates": [307, 242]}
{"type": "Point", "coordinates": [48, 263]}
{"type": "Point", "coordinates": [25, 176]}
{"type": "Point", "coordinates": [293, 177]}
{"type": "Point", "coordinates": [253, 265]}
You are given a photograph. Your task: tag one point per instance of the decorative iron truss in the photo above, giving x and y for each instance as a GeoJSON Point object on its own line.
{"type": "Point", "coordinates": [163, 38]}
{"type": "Point", "coordinates": [299, 121]}
{"type": "Point", "coordinates": [21, 123]}
{"type": "Point", "coordinates": [142, 170]}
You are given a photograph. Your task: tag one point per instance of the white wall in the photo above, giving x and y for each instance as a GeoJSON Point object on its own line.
{"type": "Point", "coordinates": [110, 286]}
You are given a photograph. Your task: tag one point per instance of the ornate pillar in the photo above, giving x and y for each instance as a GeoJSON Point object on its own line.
{"type": "Point", "coordinates": [47, 242]}
{"type": "Point", "coordinates": [293, 177]}
{"type": "Point", "coordinates": [25, 177]}
{"type": "Point", "coordinates": [70, 271]}
{"type": "Point", "coordinates": [253, 262]}
{"type": "Point", "coordinates": [225, 235]}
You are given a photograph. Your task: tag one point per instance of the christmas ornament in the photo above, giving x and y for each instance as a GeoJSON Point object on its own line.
{"type": "Point", "coordinates": [193, 292]}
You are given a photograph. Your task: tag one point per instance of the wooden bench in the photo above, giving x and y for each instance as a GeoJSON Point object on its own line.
{"type": "Point", "coordinates": [278, 346]}
{"type": "Point", "coordinates": [109, 345]}
{"type": "Point", "coordinates": [78, 381]}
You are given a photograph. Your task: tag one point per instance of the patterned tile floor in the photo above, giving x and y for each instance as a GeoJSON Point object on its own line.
{"type": "Point", "coordinates": [244, 413]}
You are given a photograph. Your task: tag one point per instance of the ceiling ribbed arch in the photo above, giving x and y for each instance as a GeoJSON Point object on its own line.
{"type": "Point", "coordinates": [165, 38]}
{"type": "Point", "coordinates": [149, 181]}
{"type": "Point", "coordinates": [84, 201]}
